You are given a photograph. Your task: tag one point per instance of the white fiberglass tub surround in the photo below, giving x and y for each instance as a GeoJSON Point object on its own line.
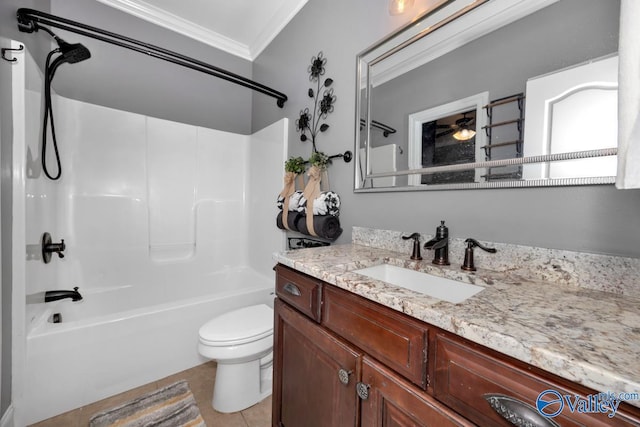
{"type": "Point", "coordinates": [166, 226]}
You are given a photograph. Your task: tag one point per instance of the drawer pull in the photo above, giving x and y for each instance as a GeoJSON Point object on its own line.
{"type": "Point", "coordinates": [362, 390]}
{"type": "Point", "coordinates": [292, 289]}
{"type": "Point", "coordinates": [517, 412]}
{"type": "Point", "coordinates": [343, 376]}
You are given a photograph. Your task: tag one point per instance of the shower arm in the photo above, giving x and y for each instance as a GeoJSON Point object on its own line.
{"type": "Point", "coordinates": [29, 20]}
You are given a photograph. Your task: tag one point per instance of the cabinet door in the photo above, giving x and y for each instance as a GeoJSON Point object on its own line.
{"type": "Point", "coordinates": [388, 336]}
{"type": "Point", "coordinates": [390, 401]}
{"type": "Point", "coordinates": [315, 374]}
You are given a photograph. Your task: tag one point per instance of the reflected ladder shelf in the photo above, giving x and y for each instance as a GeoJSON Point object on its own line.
{"type": "Point", "coordinates": [502, 134]}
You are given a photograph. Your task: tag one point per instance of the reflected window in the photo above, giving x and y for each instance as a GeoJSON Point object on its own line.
{"type": "Point", "coordinates": [449, 140]}
{"type": "Point", "coordinates": [448, 134]}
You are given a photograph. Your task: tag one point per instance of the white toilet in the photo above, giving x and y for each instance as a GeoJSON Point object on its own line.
{"type": "Point", "coordinates": [241, 341]}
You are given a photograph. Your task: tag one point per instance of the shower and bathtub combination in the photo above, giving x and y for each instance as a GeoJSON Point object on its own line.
{"type": "Point", "coordinates": [165, 226]}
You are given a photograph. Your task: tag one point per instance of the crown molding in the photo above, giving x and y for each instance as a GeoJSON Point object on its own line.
{"type": "Point", "coordinates": [275, 25]}
{"type": "Point", "coordinates": [155, 15]}
{"type": "Point", "coordinates": [180, 25]}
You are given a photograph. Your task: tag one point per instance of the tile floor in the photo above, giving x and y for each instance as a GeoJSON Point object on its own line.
{"type": "Point", "coordinates": [200, 381]}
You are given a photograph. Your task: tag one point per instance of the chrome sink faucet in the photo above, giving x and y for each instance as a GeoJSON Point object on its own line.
{"type": "Point", "coordinates": [440, 245]}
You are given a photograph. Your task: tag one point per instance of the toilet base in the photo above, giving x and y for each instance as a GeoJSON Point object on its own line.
{"type": "Point", "coordinates": [241, 385]}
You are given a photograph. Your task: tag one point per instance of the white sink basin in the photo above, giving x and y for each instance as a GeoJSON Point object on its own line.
{"type": "Point", "coordinates": [434, 286]}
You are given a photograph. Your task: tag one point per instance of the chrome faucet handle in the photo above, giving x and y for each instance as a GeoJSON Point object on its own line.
{"type": "Point", "coordinates": [415, 254]}
{"type": "Point", "coordinates": [468, 264]}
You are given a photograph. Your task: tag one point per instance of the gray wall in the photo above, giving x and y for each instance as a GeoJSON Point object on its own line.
{"type": "Point", "coordinates": [598, 219]}
{"type": "Point", "coordinates": [130, 81]}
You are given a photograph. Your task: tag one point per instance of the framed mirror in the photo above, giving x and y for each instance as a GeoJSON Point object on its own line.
{"type": "Point", "coordinates": [491, 94]}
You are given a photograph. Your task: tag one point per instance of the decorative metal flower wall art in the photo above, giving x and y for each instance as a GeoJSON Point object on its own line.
{"type": "Point", "coordinates": [310, 122]}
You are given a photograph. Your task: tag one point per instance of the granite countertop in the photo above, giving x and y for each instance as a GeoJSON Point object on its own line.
{"type": "Point", "coordinates": [587, 336]}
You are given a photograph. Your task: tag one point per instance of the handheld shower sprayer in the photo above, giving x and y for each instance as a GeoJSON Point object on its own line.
{"type": "Point", "coordinates": [68, 53]}
{"type": "Point", "coordinates": [72, 53]}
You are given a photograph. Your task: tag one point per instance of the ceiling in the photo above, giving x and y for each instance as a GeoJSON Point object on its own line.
{"type": "Point", "coordinates": [240, 27]}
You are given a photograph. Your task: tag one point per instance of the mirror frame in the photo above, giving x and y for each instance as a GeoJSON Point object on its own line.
{"type": "Point", "coordinates": [495, 13]}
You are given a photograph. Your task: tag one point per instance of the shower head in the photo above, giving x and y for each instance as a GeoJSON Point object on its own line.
{"type": "Point", "coordinates": [73, 53]}
{"type": "Point", "coordinates": [70, 53]}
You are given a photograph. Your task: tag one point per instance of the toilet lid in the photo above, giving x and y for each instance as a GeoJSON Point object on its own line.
{"type": "Point", "coordinates": [238, 326]}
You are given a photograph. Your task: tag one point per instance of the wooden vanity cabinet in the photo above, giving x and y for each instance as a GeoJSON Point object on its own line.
{"type": "Point", "coordinates": [341, 360]}
{"type": "Point", "coordinates": [353, 365]}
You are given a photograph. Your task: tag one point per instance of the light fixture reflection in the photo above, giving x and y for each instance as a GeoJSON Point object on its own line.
{"type": "Point", "coordinates": [398, 7]}
{"type": "Point", "coordinates": [464, 134]}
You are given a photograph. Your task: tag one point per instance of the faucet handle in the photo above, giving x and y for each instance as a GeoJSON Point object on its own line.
{"type": "Point", "coordinates": [415, 236]}
{"type": "Point", "coordinates": [473, 243]}
{"type": "Point", "coordinates": [61, 248]}
{"type": "Point", "coordinates": [468, 264]}
{"type": "Point", "coordinates": [415, 254]}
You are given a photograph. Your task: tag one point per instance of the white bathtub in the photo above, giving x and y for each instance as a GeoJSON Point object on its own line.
{"type": "Point", "coordinates": [115, 340]}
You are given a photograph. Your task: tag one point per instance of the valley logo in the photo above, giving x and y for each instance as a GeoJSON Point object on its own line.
{"type": "Point", "coordinates": [550, 403]}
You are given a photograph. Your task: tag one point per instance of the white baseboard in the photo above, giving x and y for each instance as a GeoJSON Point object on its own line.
{"type": "Point", "coordinates": [7, 418]}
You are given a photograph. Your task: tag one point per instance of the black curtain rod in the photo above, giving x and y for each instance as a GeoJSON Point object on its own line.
{"type": "Point", "coordinates": [386, 130]}
{"type": "Point", "coordinates": [29, 20]}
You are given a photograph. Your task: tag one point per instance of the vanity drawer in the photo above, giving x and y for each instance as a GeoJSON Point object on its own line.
{"type": "Point", "coordinates": [390, 337]}
{"type": "Point", "coordinates": [465, 372]}
{"type": "Point", "coordinates": [300, 291]}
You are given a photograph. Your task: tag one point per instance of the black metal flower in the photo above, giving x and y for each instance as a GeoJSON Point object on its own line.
{"type": "Point", "coordinates": [316, 69]}
{"type": "Point", "coordinates": [327, 101]}
{"type": "Point", "coordinates": [302, 123]}
{"type": "Point", "coordinates": [322, 106]}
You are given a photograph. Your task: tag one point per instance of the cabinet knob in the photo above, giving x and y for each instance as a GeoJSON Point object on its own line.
{"type": "Point", "coordinates": [518, 413]}
{"type": "Point", "coordinates": [343, 376]}
{"type": "Point", "coordinates": [292, 289]}
{"type": "Point", "coordinates": [362, 390]}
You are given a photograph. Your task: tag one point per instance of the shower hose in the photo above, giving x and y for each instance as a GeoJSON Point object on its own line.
{"type": "Point", "coordinates": [48, 116]}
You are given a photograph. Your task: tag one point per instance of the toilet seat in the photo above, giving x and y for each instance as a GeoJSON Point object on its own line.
{"type": "Point", "coordinates": [237, 327]}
